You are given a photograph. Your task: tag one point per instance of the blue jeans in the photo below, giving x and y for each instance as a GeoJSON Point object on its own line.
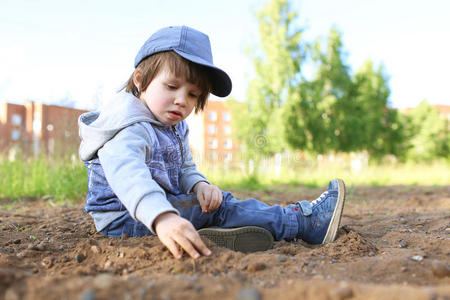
{"type": "Point", "coordinates": [280, 221]}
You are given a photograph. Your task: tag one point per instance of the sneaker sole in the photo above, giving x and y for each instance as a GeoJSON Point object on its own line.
{"type": "Point", "coordinates": [242, 239]}
{"type": "Point", "coordinates": [337, 214]}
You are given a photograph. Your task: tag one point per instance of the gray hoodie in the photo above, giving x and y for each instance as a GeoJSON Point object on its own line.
{"type": "Point", "coordinates": [133, 160]}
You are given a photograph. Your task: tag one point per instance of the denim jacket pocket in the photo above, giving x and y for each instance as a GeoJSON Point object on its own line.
{"type": "Point", "coordinates": [164, 165]}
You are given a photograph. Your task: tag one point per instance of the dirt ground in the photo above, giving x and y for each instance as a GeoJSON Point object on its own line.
{"type": "Point", "coordinates": [394, 243]}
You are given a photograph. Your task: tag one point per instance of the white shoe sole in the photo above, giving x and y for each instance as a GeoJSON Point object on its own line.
{"type": "Point", "coordinates": [337, 214]}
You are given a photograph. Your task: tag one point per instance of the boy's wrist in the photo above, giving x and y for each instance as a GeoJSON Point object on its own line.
{"type": "Point", "coordinates": [197, 185]}
{"type": "Point", "coordinates": [162, 217]}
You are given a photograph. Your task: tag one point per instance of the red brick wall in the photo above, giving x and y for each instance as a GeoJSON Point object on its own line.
{"type": "Point", "coordinates": [12, 125]}
{"type": "Point", "coordinates": [60, 129]}
{"type": "Point", "coordinates": [221, 152]}
{"type": "Point", "coordinates": [47, 129]}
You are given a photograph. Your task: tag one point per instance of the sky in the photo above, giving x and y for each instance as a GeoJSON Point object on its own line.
{"type": "Point", "coordinates": [81, 52]}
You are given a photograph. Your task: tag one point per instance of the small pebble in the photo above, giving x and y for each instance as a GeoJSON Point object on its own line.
{"type": "Point", "coordinates": [238, 276]}
{"type": "Point", "coordinates": [79, 258]}
{"type": "Point", "coordinates": [249, 294]}
{"type": "Point", "coordinates": [403, 244]}
{"type": "Point", "coordinates": [143, 293]}
{"type": "Point", "coordinates": [9, 250]}
{"type": "Point", "coordinates": [108, 264]}
{"type": "Point", "coordinates": [254, 267]}
{"type": "Point", "coordinates": [198, 289]}
{"type": "Point", "coordinates": [281, 258]}
{"type": "Point", "coordinates": [439, 269]}
{"type": "Point", "coordinates": [41, 246]}
{"type": "Point", "coordinates": [417, 258]}
{"type": "Point", "coordinates": [88, 295]}
{"type": "Point", "coordinates": [47, 262]}
{"type": "Point", "coordinates": [17, 241]}
{"type": "Point", "coordinates": [95, 249]}
{"type": "Point", "coordinates": [22, 254]}
{"type": "Point", "coordinates": [104, 281]}
{"type": "Point", "coordinates": [341, 293]}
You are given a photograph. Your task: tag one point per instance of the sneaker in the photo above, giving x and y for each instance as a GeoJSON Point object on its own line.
{"type": "Point", "coordinates": [319, 220]}
{"type": "Point", "coordinates": [243, 239]}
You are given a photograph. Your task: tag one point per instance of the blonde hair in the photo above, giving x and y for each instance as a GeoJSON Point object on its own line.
{"type": "Point", "coordinates": [178, 66]}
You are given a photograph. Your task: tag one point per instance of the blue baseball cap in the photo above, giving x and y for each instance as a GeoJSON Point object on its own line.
{"type": "Point", "coordinates": [192, 45]}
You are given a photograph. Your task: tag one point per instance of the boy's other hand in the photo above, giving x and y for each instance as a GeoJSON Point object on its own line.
{"type": "Point", "coordinates": [174, 231]}
{"type": "Point", "coordinates": [209, 196]}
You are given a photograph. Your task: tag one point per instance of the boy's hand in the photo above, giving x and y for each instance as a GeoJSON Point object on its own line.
{"type": "Point", "coordinates": [209, 196]}
{"type": "Point", "coordinates": [175, 232]}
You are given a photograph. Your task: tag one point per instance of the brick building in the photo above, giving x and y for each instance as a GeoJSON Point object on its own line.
{"type": "Point", "coordinates": [39, 128]}
{"type": "Point", "coordinates": [211, 133]}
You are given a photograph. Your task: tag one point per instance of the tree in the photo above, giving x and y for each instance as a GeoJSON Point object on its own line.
{"type": "Point", "coordinates": [428, 133]}
{"type": "Point", "coordinates": [322, 111]}
{"type": "Point", "coordinates": [277, 64]}
{"type": "Point", "coordinates": [380, 127]}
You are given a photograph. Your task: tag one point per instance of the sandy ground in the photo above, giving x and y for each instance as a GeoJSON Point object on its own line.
{"type": "Point", "coordinates": [394, 243]}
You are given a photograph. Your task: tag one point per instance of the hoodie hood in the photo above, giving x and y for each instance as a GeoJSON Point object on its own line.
{"type": "Point", "coordinates": [97, 128]}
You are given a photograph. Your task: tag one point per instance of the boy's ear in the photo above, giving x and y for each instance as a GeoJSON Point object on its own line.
{"type": "Point", "coordinates": [137, 79]}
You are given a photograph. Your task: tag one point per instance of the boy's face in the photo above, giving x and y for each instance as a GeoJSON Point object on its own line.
{"type": "Point", "coordinates": [171, 99]}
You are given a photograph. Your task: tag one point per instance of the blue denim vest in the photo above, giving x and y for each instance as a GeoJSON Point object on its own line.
{"type": "Point", "coordinates": [164, 161]}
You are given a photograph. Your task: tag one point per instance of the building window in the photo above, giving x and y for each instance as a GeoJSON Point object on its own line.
{"type": "Point", "coordinates": [211, 129]}
{"type": "Point", "coordinates": [228, 144]}
{"type": "Point", "coordinates": [15, 134]}
{"type": "Point", "coordinates": [226, 116]}
{"type": "Point", "coordinates": [213, 144]}
{"type": "Point", "coordinates": [16, 119]}
{"type": "Point", "coordinates": [227, 129]}
{"type": "Point", "coordinates": [212, 115]}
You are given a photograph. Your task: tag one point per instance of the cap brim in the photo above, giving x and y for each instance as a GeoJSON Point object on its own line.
{"type": "Point", "coordinates": [220, 81]}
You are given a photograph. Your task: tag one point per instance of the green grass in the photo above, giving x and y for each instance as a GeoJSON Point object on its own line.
{"type": "Point", "coordinates": [55, 179]}
{"type": "Point", "coordinates": [64, 179]}
{"type": "Point", "coordinates": [425, 174]}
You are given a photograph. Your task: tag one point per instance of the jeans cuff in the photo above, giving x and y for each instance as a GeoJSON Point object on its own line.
{"type": "Point", "coordinates": [291, 226]}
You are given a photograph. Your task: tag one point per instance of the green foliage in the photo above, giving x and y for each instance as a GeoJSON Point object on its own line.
{"type": "Point", "coordinates": [321, 106]}
{"type": "Point", "coordinates": [57, 179]}
{"type": "Point", "coordinates": [379, 128]}
{"type": "Point", "coordinates": [277, 62]}
{"type": "Point", "coordinates": [334, 111]}
{"type": "Point", "coordinates": [428, 133]}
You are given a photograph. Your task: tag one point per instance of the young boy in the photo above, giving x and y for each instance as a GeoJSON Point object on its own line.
{"type": "Point", "coordinates": [141, 176]}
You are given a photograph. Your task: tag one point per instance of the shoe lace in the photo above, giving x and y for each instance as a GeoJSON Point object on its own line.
{"type": "Point", "coordinates": [321, 198]}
